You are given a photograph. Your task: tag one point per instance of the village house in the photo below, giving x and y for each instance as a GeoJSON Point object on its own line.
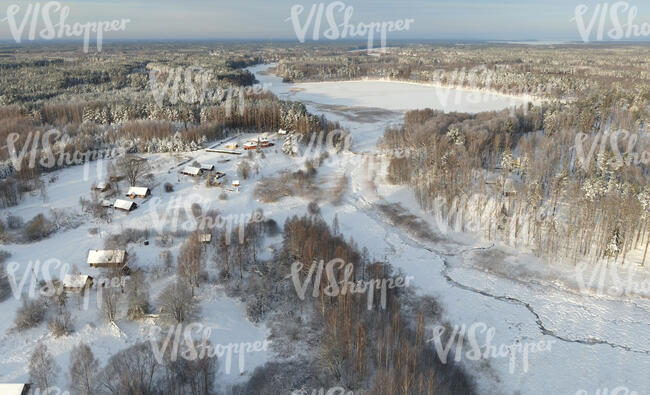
{"type": "Point", "coordinates": [125, 205]}
{"type": "Point", "coordinates": [106, 258]}
{"type": "Point", "coordinates": [140, 192]}
{"type": "Point", "coordinates": [191, 171]}
{"type": "Point", "coordinates": [76, 283]}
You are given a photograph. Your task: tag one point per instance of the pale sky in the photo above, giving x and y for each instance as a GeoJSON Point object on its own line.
{"type": "Point", "coordinates": [268, 19]}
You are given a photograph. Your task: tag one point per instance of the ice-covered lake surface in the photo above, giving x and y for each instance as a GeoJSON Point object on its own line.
{"type": "Point", "coordinates": [598, 344]}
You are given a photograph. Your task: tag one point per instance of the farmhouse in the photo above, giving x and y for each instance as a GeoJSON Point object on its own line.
{"type": "Point", "coordinates": [140, 192]}
{"type": "Point", "coordinates": [125, 205]}
{"type": "Point", "coordinates": [15, 389]}
{"type": "Point", "coordinates": [191, 171]}
{"type": "Point", "coordinates": [76, 283]}
{"type": "Point", "coordinates": [104, 258]}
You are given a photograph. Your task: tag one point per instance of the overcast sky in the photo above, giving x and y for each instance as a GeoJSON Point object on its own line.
{"type": "Point", "coordinates": [269, 19]}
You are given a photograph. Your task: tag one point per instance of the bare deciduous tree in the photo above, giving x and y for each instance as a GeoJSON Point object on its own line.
{"type": "Point", "coordinates": [177, 303]}
{"type": "Point", "coordinates": [83, 368]}
{"type": "Point", "coordinates": [42, 368]}
{"type": "Point", "coordinates": [133, 169]}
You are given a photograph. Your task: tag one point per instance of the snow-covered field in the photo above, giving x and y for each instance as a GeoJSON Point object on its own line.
{"type": "Point", "coordinates": [596, 342]}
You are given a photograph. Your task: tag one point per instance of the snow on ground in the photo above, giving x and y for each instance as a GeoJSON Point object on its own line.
{"type": "Point", "coordinates": [596, 340]}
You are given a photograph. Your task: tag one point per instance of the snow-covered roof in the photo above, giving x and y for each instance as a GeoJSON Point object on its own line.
{"type": "Point", "coordinates": [75, 280]}
{"type": "Point", "coordinates": [207, 167]}
{"type": "Point", "coordinates": [101, 185]}
{"type": "Point", "coordinates": [138, 191]}
{"type": "Point", "coordinates": [282, 131]}
{"type": "Point", "coordinates": [191, 170]}
{"type": "Point", "coordinates": [250, 144]}
{"type": "Point", "coordinates": [123, 204]}
{"type": "Point", "coordinates": [235, 183]}
{"type": "Point", "coordinates": [14, 389]}
{"type": "Point", "coordinates": [106, 256]}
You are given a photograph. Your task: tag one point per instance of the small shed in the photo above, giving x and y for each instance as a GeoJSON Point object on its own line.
{"type": "Point", "coordinates": [191, 171]}
{"type": "Point", "coordinates": [140, 192]}
{"type": "Point", "coordinates": [236, 184]}
{"type": "Point", "coordinates": [205, 238]}
{"type": "Point", "coordinates": [207, 167]}
{"type": "Point", "coordinates": [76, 283]}
{"type": "Point", "coordinates": [105, 258]}
{"type": "Point", "coordinates": [250, 145]}
{"type": "Point", "coordinates": [102, 186]}
{"type": "Point", "coordinates": [125, 205]}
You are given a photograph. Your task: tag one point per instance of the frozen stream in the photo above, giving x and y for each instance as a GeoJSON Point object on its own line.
{"type": "Point", "coordinates": [597, 343]}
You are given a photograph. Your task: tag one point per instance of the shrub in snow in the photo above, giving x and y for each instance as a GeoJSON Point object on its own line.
{"type": "Point", "coordinates": [30, 314]}
{"type": "Point", "coordinates": [313, 208]}
{"type": "Point", "coordinates": [38, 228]}
{"type": "Point", "coordinates": [14, 222]}
{"type": "Point", "coordinates": [169, 187]}
{"type": "Point", "coordinates": [60, 325]}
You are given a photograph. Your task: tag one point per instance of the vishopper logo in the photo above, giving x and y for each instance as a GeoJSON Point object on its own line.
{"type": "Point", "coordinates": [338, 16]}
{"type": "Point", "coordinates": [193, 211]}
{"type": "Point", "coordinates": [50, 31]}
{"type": "Point", "coordinates": [620, 390]}
{"type": "Point", "coordinates": [483, 348]}
{"type": "Point", "coordinates": [345, 286]}
{"type": "Point", "coordinates": [194, 84]}
{"type": "Point", "coordinates": [622, 18]}
{"type": "Point", "coordinates": [604, 279]}
{"type": "Point", "coordinates": [185, 345]}
{"type": "Point", "coordinates": [598, 143]}
{"type": "Point", "coordinates": [51, 153]}
{"type": "Point", "coordinates": [35, 269]}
